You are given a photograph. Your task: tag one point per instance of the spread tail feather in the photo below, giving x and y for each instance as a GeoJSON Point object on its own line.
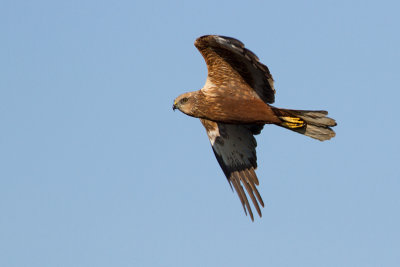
{"type": "Point", "coordinates": [312, 123]}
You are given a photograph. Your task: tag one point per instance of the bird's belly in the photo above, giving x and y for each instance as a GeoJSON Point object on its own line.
{"type": "Point", "coordinates": [242, 111]}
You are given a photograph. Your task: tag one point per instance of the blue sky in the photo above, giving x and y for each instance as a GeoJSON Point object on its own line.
{"type": "Point", "coordinates": [96, 169]}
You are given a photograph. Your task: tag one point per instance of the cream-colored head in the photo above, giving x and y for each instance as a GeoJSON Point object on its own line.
{"type": "Point", "coordinates": [185, 103]}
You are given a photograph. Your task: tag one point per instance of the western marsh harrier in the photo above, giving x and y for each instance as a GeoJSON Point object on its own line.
{"type": "Point", "coordinates": [233, 106]}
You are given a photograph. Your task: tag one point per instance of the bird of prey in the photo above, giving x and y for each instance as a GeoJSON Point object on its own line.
{"type": "Point", "coordinates": [234, 105]}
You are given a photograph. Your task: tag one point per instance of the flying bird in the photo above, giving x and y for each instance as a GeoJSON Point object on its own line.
{"type": "Point", "coordinates": [234, 105]}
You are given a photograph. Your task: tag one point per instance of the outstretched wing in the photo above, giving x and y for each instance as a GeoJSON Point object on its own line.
{"type": "Point", "coordinates": [234, 147]}
{"type": "Point", "coordinates": [231, 65]}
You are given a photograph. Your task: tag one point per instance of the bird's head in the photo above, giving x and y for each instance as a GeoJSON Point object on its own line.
{"type": "Point", "coordinates": [185, 103]}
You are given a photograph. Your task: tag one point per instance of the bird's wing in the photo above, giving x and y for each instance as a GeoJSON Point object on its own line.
{"type": "Point", "coordinates": [231, 65]}
{"type": "Point", "coordinates": [234, 147]}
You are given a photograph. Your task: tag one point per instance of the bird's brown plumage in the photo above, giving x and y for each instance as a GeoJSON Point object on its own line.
{"type": "Point", "coordinates": [233, 107]}
{"type": "Point", "coordinates": [232, 66]}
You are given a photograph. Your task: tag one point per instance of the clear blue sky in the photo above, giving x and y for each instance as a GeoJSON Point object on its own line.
{"type": "Point", "coordinates": [96, 169]}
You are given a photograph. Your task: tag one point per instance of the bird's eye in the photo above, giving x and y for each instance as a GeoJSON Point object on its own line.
{"type": "Point", "coordinates": [184, 100]}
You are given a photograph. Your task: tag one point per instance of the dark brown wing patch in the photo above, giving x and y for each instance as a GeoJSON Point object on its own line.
{"type": "Point", "coordinates": [230, 63]}
{"type": "Point", "coordinates": [234, 147]}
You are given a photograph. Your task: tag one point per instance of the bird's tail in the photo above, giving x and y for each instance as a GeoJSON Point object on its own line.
{"type": "Point", "coordinates": [313, 123]}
